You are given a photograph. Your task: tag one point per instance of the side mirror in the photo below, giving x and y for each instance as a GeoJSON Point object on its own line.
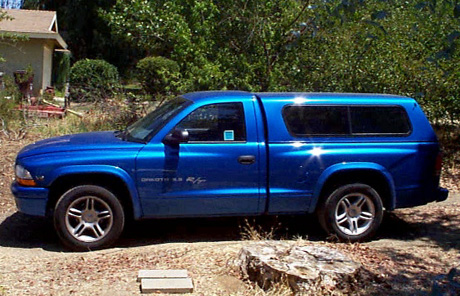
{"type": "Point", "coordinates": [176, 137]}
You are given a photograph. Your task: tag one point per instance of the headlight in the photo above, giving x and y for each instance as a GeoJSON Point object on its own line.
{"type": "Point", "coordinates": [23, 176]}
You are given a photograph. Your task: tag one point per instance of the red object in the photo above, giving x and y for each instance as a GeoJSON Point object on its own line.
{"type": "Point", "coordinates": [44, 111]}
{"type": "Point", "coordinates": [438, 165]}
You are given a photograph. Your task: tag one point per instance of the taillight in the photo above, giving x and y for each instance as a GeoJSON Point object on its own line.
{"type": "Point", "coordinates": [438, 165]}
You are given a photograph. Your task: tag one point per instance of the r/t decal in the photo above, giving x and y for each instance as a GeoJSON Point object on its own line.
{"type": "Point", "coordinates": [195, 180]}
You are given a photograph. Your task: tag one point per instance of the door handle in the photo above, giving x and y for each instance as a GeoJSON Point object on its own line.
{"type": "Point", "coordinates": [247, 159]}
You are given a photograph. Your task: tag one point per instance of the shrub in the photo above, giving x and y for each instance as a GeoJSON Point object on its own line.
{"type": "Point", "coordinates": [92, 80]}
{"type": "Point", "coordinates": [7, 106]}
{"type": "Point", "coordinates": [158, 75]}
{"type": "Point", "coordinates": [61, 69]}
{"type": "Point", "coordinates": [9, 98]}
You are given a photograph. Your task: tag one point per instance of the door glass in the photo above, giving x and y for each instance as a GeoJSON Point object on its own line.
{"type": "Point", "coordinates": [216, 123]}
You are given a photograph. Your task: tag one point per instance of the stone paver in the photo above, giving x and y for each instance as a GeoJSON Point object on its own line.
{"type": "Point", "coordinates": [155, 274]}
{"type": "Point", "coordinates": [167, 285]}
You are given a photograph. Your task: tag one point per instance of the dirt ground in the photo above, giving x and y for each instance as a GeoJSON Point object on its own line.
{"type": "Point", "coordinates": [414, 248]}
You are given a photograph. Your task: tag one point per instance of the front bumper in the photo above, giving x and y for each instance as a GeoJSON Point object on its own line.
{"type": "Point", "coordinates": [30, 200]}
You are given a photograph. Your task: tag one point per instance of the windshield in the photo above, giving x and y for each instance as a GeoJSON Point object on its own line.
{"type": "Point", "coordinates": [145, 128]}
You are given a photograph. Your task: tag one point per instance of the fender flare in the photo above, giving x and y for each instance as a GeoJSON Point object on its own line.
{"type": "Point", "coordinates": [349, 167]}
{"type": "Point", "coordinates": [102, 169]}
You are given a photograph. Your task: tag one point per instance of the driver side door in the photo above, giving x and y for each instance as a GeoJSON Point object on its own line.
{"type": "Point", "coordinates": [216, 172]}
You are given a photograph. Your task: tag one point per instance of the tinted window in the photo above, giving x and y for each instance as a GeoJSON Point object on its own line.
{"type": "Point", "coordinates": [316, 120]}
{"type": "Point", "coordinates": [303, 121]}
{"type": "Point", "coordinates": [379, 120]}
{"type": "Point", "coordinates": [216, 123]}
{"type": "Point", "coordinates": [147, 127]}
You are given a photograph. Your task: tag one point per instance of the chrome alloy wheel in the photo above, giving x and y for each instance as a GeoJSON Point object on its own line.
{"type": "Point", "coordinates": [354, 213]}
{"type": "Point", "coordinates": [89, 219]}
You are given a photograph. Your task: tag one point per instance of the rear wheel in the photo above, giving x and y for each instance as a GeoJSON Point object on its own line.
{"type": "Point", "coordinates": [88, 217]}
{"type": "Point", "coordinates": [352, 212]}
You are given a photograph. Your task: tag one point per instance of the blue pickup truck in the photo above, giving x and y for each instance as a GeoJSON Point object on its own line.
{"type": "Point", "coordinates": [345, 157]}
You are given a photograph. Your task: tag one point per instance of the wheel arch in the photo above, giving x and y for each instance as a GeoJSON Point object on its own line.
{"type": "Point", "coordinates": [114, 179]}
{"type": "Point", "coordinates": [371, 174]}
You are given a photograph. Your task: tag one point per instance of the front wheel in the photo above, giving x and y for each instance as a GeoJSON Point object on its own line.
{"type": "Point", "coordinates": [88, 217]}
{"type": "Point", "coordinates": [352, 212]}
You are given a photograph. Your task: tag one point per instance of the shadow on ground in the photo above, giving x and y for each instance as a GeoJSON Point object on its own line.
{"type": "Point", "coordinates": [22, 231]}
{"type": "Point", "coordinates": [220, 229]}
{"type": "Point", "coordinates": [436, 227]}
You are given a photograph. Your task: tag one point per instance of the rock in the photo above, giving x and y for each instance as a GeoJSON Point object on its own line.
{"type": "Point", "coordinates": [306, 269]}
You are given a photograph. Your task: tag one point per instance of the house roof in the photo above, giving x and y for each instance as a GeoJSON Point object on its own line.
{"type": "Point", "coordinates": [39, 24]}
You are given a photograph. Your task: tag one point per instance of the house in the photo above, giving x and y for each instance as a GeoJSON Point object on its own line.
{"type": "Point", "coordinates": [36, 51]}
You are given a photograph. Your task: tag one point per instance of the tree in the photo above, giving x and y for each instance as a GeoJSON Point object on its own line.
{"type": "Point", "coordinates": [87, 35]}
{"type": "Point", "coordinates": [236, 44]}
{"type": "Point", "coordinates": [3, 36]}
{"type": "Point", "coordinates": [408, 48]}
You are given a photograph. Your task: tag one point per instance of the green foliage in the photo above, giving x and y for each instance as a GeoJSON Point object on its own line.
{"type": "Point", "coordinates": [409, 49]}
{"type": "Point", "coordinates": [9, 98]}
{"type": "Point", "coordinates": [61, 69]}
{"type": "Point", "coordinates": [158, 75]}
{"type": "Point", "coordinates": [92, 80]}
{"type": "Point", "coordinates": [339, 45]}
{"type": "Point", "coordinates": [11, 89]}
{"type": "Point", "coordinates": [218, 44]}
{"type": "Point", "coordinates": [403, 47]}
{"type": "Point", "coordinates": [7, 106]}
{"type": "Point", "coordinates": [24, 77]}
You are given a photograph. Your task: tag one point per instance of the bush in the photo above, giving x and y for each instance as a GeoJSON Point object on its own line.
{"type": "Point", "coordinates": [9, 98]}
{"type": "Point", "coordinates": [61, 69]}
{"type": "Point", "coordinates": [92, 80]}
{"type": "Point", "coordinates": [7, 113]}
{"type": "Point", "coordinates": [158, 75]}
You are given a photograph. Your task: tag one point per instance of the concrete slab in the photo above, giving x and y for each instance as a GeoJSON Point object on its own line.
{"type": "Point", "coordinates": [156, 273]}
{"type": "Point", "coordinates": [167, 285]}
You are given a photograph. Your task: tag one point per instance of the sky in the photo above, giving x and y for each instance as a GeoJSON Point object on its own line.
{"type": "Point", "coordinates": [9, 4]}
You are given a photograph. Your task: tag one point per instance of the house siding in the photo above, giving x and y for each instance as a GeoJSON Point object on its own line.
{"type": "Point", "coordinates": [47, 65]}
{"type": "Point", "coordinates": [21, 54]}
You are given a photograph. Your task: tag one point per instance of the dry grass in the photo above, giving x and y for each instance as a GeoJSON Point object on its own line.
{"type": "Point", "coordinates": [109, 115]}
{"type": "Point", "coordinates": [252, 231]}
{"type": "Point", "coordinates": [278, 289]}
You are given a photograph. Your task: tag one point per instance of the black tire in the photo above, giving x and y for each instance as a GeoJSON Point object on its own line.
{"type": "Point", "coordinates": [88, 217]}
{"type": "Point", "coordinates": [353, 212]}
